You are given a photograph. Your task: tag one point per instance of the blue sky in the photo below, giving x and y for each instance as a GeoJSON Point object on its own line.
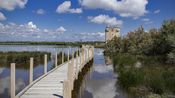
{"type": "Point", "coordinates": [75, 20]}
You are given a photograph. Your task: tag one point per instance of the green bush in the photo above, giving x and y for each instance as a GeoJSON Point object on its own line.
{"type": "Point", "coordinates": [155, 82]}
{"type": "Point", "coordinates": [169, 78]}
{"type": "Point", "coordinates": [124, 59]}
{"type": "Point", "coordinates": [130, 77]}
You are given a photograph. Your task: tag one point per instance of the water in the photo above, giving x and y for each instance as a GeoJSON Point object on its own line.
{"type": "Point", "coordinates": [101, 81]}
{"type": "Point", "coordinates": [20, 55]}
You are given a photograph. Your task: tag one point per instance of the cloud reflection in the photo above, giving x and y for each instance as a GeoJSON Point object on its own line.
{"type": "Point", "coordinates": [102, 88]}
{"type": "Point", "coordinates": [103, 69]}
{"type": "Point", "coordinates": [5, 84]}
{"type": "Point", "coordinates": [1, 70]}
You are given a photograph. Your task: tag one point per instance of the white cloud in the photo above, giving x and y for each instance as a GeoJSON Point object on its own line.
{"type": "Point", "coordinates": [65, 7]}
{"type": "Point", "coordinates": [40, 11]}
{"type": "Point", "coordinates": [105, 19]}
{"type": "Point", "coordinates": [77, 10]}
{"type": "Point", "coordinates": [125, 8]}
{"type": "Point", "coordinates": [87, 36]}
{"type": "Point", "coordinates": [29, 32]}
{"type": "Point", "coordinates": [156, 11]}
{"type": "Point", "coordinates": [61, 29]}
{"type": "Point", "coordinates": [100, 34]}
{"type": "Point", "coordinates": [145, 19]}
{"type": "Point", "coordinates": [149, 22]}
{"type": "Point", "coordinates": [2, 17]}
{"type": "Point", "coordinates": [46, 30]}
{"type": "Point", "coordinates": [12, 4]}
{"type": "Point", "coordinates": [31, 25]}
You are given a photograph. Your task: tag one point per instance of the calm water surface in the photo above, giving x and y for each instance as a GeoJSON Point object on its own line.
{"type": "Point", "coordinates": [101, 81]}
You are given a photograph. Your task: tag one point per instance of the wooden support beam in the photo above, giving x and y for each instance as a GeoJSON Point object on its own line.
{"type": "Point", "coordinates": [77, 69]}
{"type": "Point", "coordinates": [45, 63]}
{"type": "Point", "coordinates": [12, 80]}
{"type": "Point", "coordinates": [65, 89]}
{"type": "Point", "coordinates": [62, 57]}
{"type": "Point", "coordinates": [56, 59]}
{"type": "Point", "coordinates": [68, 55]}
{"type": "Point", "coordinates": [73, 71]}
{"type": "Point", "coordinates": [31, 71]}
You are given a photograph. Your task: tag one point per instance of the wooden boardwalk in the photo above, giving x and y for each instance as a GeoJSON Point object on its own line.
{"type": "Point", "coordinates": [57, 83]}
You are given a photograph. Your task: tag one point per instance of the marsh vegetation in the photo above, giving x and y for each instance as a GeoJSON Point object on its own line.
{"type": "Point", "coordinates": [145, 61]}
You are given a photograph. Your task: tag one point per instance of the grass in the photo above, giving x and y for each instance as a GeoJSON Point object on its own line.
{"type": "Point", "coordinates": [22, 58]}
{"type": "Point", "coordinates": [97, 44]}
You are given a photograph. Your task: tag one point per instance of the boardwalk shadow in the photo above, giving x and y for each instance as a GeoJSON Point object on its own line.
{"type": "Point", "coordinates": [58, 95]}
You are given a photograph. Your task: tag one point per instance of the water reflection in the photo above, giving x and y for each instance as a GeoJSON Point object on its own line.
{"type": "Point", "coordinates": [100, 82]}
{"type": "Point", "coordinates": [1, 70]}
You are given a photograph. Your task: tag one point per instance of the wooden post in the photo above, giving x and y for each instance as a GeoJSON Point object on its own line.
{"type": "Point", "coordinates": [73, 71]}
{"type": "Point", "coordinates": [69, 89]}
{"type": "Point", "coordinates": [56, 60]}
{"type": "Point", "coordinates": [69, 72]}
{"type": "Point", "coordinates": [12, 79]}
{"type": "Point", "coordinates": [72, 55]}
{"type": "Point", "coordinates": [80, 62]}
{"type": "Point", "coordinates": [88, 54]}
{"type": "Point", "coordinates": [93, 51]}
{"type": "Point", "coordinates": [31, 71]}
{"type": "Point", "coordinates": [68, 55]}
{"type": "Point", "coordinates": [80, 58]}
{"type": "Point", "coordinates": [77, 65]}
{"type": "Point", "coordinates": [83, 55]}
{"type": "Point", "coordinates": [70, 75]}
{"type": "Point", "coordinates": [65, 89]}
{"type": "Point", "coordinates": [62, 57]}
{"type": "Point", "coordinates": [45, 63]}
{"type": "Point", "coordinates": [73, 63]}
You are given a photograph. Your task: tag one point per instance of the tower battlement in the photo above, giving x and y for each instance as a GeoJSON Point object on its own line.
{"type": "Point", "coordinates": [111, 32]}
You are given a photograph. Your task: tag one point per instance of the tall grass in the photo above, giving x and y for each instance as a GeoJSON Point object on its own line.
{"type": "Point", "coordinates": [152, 77]}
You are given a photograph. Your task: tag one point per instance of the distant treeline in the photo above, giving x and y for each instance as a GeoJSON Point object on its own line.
{"type": "Point", "coordinates": [98, 44]}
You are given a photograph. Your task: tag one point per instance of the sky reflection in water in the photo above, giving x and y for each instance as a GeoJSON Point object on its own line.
{"type": "Point", "coordinates": [101, 80]}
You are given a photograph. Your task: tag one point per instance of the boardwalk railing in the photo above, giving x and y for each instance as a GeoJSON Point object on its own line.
{"type": "Point", "coordinates": [73, 67]}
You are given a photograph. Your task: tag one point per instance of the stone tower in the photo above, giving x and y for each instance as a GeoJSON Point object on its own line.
{"type": "Point", "coordinates": [111, 32]}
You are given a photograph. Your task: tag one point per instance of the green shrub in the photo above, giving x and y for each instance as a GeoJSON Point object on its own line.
{"type": "Point", "coordinates": [169, 78]}
{"type": "Point", "coordinates": [131, 78]}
